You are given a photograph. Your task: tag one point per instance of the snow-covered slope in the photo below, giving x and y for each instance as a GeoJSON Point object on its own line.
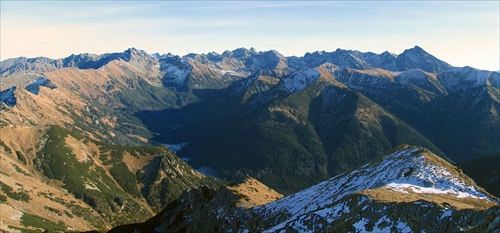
{"type": "Point", "coordinates": [406, 172]}
{"type": "Point", "coordinates": [421, 79]}
{"type": "Point", "coordinates": [409, 168]}
{"type": "Point", "coordinates": [299, 80]}
{"type": "Point", "coordinates": [467, 77]}
{"type": "Point", "coordinates": [176, 70]}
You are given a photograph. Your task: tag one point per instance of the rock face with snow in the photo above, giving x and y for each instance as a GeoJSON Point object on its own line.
{"type": "Point", "coordinates": [378, 196]}
{"type": "Point", "coordinates": [421, 79]}
{"type": "Point", "coordinates": [176, 70]}
{"type": "Point", "coordinates": [457, 79]}
{"type": "Point", "coordinates": [299, 80]}
{"type": "Point", "coordinates": [409, 190]}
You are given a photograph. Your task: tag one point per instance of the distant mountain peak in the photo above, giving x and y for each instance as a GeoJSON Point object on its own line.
{"type": "Point", "coordinates": [239, 52]}
{"type": "Point", "coordinates": [415, 50]}
{"type": "Point", "coordinates": [417, 57]}
{"type": "Point", "coordinates": [418, 48]}
{"type": "Point", "coordinates": [387, 53]}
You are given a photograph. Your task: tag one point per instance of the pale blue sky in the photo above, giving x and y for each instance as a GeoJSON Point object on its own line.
{"type": "Point", "coordinates": [460, 33]}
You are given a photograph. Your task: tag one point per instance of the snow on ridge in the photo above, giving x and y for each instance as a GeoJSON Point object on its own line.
{"type": "Point", "coordinates": [363, 81]}
{"type": "Point", "coordinates": [245, 85]}
{"type": "Point", "coordinates": [437, 180]}
{"type": "Point", "coordinates": [232, 72]}
{"type": "Point", "coordinates": [300, 80]}
{"type": "Point", "coordinates": [334, 189]}
{"type": "Point", "coordinates": [418, 189]}
{"type": "Point", "coordinates": [397, 171]}
{"type": "Point", "coordinates": [467, 77]}
{"type": "Point", "coordinates": [413, 74]}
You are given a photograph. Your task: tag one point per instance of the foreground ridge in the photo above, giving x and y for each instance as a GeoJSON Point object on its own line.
{"type": "Point", "coordinates": [409, 190]}
{"type": "Point", "coordinates": [409, 169]}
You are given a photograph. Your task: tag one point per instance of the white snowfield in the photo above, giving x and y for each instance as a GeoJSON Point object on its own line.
{"type": "Point", "coordinates": [233, 73]}
{"type": "Point", "coordinates": [467, 77]}
{"type": "Point", "coordinates": [411, 76]}
{"type": "Point", "coordinates": [300, 80]}
{"type": "Point", "coordinates": [175, 74]}
{"type": "Point", "coordinates": [403, 171]}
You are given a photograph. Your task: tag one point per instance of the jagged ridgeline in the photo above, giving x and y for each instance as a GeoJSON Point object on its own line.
{"type": "Point", "coordinates": [82, 184]}
{"type": "Point", "coordinates": [262, 114]}
{"type": "Point", "coordinates": [290, 122]}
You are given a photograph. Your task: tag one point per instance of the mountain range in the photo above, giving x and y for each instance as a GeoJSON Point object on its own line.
{"type": "Point", "coordinates": [288, 122]}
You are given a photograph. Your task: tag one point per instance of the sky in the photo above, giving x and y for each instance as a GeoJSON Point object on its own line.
{"type": "Point", "coordinates": [462, 33]}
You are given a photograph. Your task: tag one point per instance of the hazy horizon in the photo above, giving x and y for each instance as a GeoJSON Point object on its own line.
{"type": "Point", "coordinates": [460, 33]}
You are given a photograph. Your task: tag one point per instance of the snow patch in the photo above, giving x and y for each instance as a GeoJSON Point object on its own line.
{"type": "Point", "coordinates": [428, 178]}
{"type": "Point", "coordinates": [411, 75]}
{"type": "Point", "coordinates": [233, 73]}
{"type": "Point", "coordinates": [298, 81]}
{"type": "Point", "coordinates": [331, 214]}
{"type": "Point", "coordinates": [360, 225]}
{"type": "Point", "coordinates": [382, 220]}
{"type": "Point", "coordinates": [446, 213]}
{"type": "Point", "coordinates": [468, 77]}
{"type": "Point", "coordinates": [403, 227]}
{"type": "Point", "coordinates": [175, 73]}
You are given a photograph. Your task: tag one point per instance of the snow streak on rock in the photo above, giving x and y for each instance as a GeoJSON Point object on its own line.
{"type": "Point", "coordinates": [174, 74]}
{"type": "Point", "coordinates": [467, 77]}
{"type": "Point", "coordinates": [299, 80]}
